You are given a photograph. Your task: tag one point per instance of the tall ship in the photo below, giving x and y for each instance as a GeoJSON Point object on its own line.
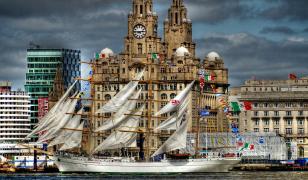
{"type": "Point", "coordinates": [143, 104]}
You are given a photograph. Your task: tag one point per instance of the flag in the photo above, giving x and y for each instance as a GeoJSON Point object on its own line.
{"type": "Point", "coordinates": [251, 147]}
{"type": "Point", "coordinates": [235, 107]}
{"type": "Point", "coordinates": [209, 77]}
{"type": "Point", "coordinates": [96, 55]}
{"type": "Point", "coordinates": [201, 79]}
{"type": "Point", "coordinates": [292, 76]}
{"type": "Point", "coordinates": [240, 143]}
{"type": "Point", "coordinates": [155, 56]}
{"type": "Point", "coordinates": [234, 130]}
{"type": "Point", "coordinates": [103, 56]}
{"type": "Point", "coordinates": [247, 105]}
{"type": "Point", "coordinates": [204, 113]}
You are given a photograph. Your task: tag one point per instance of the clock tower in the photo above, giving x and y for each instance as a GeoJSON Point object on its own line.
{"type": "Point", "coordinates": [178, 29]}
{"type": "Point", "coordinates": [142, 38]}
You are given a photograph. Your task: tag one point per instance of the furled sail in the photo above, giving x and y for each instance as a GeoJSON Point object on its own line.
{"type": "Point", "coordinates": [173, 122]}
{"type": "Point", "coordinates": [49, 117]}
{"type": "Point", "coordinates": [65, 133]}
{"type": "Point", "coordinates": [121, 114]}
{"type": "Point", "coordinates": [177, 101]}
{"type": "Point", "coordinates": [119, 139]}
{"type": "Point", "coordinates": [176, 141]}
{"type": "Point", "coordinates": [74, 140]}
{"type": "Point", "coordinates": [119, 99]}
{"type": "Point", "coordinates": [61, 122]}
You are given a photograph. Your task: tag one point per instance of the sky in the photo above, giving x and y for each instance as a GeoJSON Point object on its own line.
{"type": "Point", "coordinates": [261, 39]}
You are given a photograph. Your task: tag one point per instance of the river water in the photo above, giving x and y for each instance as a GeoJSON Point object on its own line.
{"type": "Point", "coordinates": [238, 175]}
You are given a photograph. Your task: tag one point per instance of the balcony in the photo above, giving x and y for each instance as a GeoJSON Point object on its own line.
{"type": "Point", "coordinates": [272, 96]}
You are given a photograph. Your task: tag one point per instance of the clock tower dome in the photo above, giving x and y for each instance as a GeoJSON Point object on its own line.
{"type": "Point", "coordinates": [142, 38]}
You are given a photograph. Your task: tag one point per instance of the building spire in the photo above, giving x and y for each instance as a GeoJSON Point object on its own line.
{"type": "Point", "coordinates": [142, 7]}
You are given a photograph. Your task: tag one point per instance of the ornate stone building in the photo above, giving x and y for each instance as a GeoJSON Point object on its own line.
{"type": "Point", "coordinates": [279, 106]}
{"type": "Point", "coordinates": [170, 64]}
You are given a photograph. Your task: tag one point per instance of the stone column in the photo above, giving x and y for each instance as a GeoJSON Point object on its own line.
{"type": "Point", "coordinates": [294, 125]}
{"type": "Point", "coordinates": [271, 125]}
{"type": "Point", "coordinates": [281, 126]}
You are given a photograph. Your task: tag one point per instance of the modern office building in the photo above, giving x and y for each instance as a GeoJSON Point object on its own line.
{"type": "Point", "coordinates": [43, 65]}
{"type": "Point", "coordinates": [279, 106]}
{"type": "Point", "coordinates": [14, 118]}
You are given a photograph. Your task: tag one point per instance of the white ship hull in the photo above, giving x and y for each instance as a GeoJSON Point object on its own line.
{"type": "Point", "coordinates": [83, 165]}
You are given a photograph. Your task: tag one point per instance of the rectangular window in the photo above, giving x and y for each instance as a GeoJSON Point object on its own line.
{"type": "Point", "coordinates": [276, 122]}
{"type": "Point", "coordinates": [300, 131]}
{"type": "Point", "coordinates": [257, 122]}
{"type": "Point", "coordinates": [266, 129]}
{"type": "Point", "coordinates": [276, 130]}
{"type": "Point", "coordinates": [288, 130]}
{"type": "Point", "coordinates": [276, 113]}
{"type": "Point", "coordinates": [289, 122]}
{"type": "Point", "coordinates": [300, 122]}
{"type": "Point", "coordinates": [255, 113]}
{"type": "Point", "coordinates": [288, 113]}
{"type": "Point", "coordinates": [300, 113]}
{"type": "Point", "coordinates": [256, 129]}
{"type": "Point", "coordinates": [266, 113]}
{"type": "Point", "coordinates": [139, 48]}
{"type": "Point", "coordinates": [266, 122]}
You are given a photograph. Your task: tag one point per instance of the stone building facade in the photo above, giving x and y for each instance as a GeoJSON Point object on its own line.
{"type": "Point", "coordinates": [174, 66]}
{"type": "Point", "coordinates": [279, 106]}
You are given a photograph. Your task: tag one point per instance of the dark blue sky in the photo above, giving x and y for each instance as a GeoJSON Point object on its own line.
{"type": "Point", "coordinates": [267, 39]}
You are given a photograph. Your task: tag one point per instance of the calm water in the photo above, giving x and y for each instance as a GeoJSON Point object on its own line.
{"type": "Point", "coordinates": [214, 176]}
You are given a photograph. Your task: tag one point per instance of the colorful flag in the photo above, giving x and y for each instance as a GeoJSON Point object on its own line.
{"type": "Point", "coordinates": [251, 147]}
{"type": "Point", "coordinates": [96, 56]}
{"type": "Point", "coordinates": [201, 79]}
{"type": "Point", "coordinates": [235, 107]}
{"type": "Point", "coordinates": [209, 77]}
{"type": "Point", "coordinates": [292, 76]}
{"type": "Point", "coordinates": [155, 56]}
{"type": "Point", "coordinates": [204, 113]}
{"type": "Point", "coordinates": [245, 106]}
{"type": "Point", "coordinates": [240, 143]}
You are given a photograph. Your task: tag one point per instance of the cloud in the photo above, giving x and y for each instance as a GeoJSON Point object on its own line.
{"type": "Point", "coordinates": [90, 26]}
{"type": "Point", "coordinates": [286, 10]}
{"type": "Point", "coordinates": [213, 12]}
{"type": "Point", "coordinates": [247, 55]}
{"type": "Point", "coordinates": [278, 29]}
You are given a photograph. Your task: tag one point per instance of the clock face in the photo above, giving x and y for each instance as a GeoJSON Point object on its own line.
{"type": "Point", "coordinates": [139, 31]}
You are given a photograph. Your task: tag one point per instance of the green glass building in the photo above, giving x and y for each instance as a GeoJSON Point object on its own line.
{"type": "Point", "coordinates": [42, 67]}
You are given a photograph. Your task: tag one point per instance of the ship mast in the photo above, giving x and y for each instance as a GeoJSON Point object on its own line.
{"type": "Point", "coordinates": [197, 137]}
{"type": "Point", "coordinates": [149, 114]}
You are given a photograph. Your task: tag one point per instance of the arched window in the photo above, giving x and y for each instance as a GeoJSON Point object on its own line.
{"type": "Point", "coordinates": [139, 48]}
{"type": "Point", "coordinates": [107, 97]}
{"type": "Point", "coordinates": [301, 151]}
{"type": "Point", "coordinates": [172, 95]}
{"type": "Point", "coordinates": [164, 96]}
